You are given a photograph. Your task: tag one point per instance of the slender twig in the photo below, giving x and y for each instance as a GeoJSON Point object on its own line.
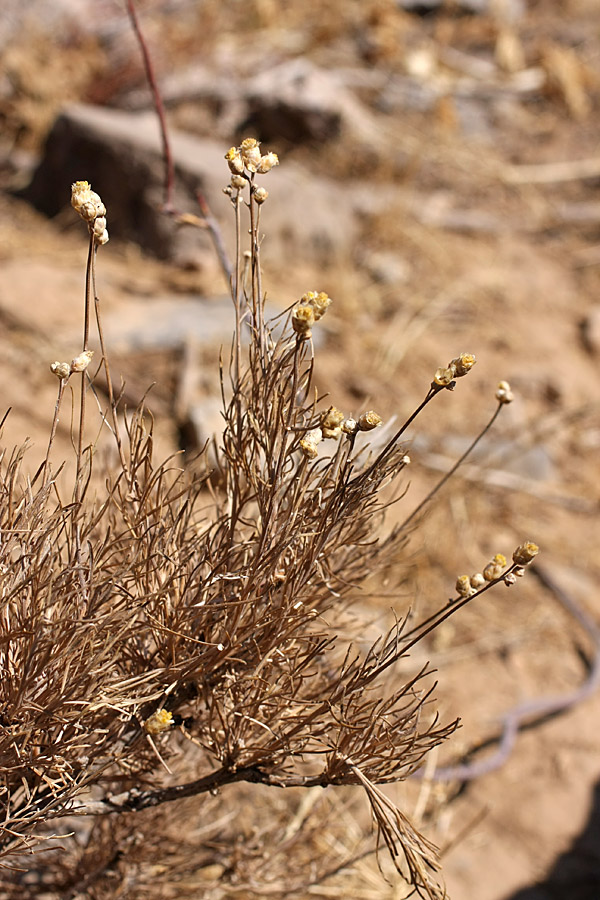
{"type": "Point", "coordinates": [217, 236]}
{"type": "Point", "coordinates": [257, 294]}
{"type": "Point", "coordinates": [534, 711]}
{"type": "Point", "coordinates": [136, 800]}
{"type": "Point", "coordinates": [382, 456]}
{"type": "Point", "coordinates": [45, 465]}
{"type": "Point", "coordinates": [169, 183]}
{"type": "Point", "coordinates": [169, 165]}
{"type": "Point", "coordinates": [86, 337]}
{"type": "Point", "coordinates": [419, 508]}
{"type": "Point", "coordinates": [109, 386]}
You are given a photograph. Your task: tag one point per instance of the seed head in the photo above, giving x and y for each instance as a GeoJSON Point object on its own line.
{"type": "Point", "coordinates": [525, 553]}
{"type": "Point", "coordinates": [303, 318]}
{"type": "Point", "coordinates": [504, 393]}
{"type": "Point", "coordinates": [309, 442]}
{"type": "Point", "coordinates": [60, 369]}
{"type": "Point", "coordinates": [369, 420]}
{"type": "Point", "coordinates": [477, 580]}
{"type": "Point", "coordinates": [260, 195]}
{"type": "Point", "coordinates": [463, 586]}
{"type": "Point", "coordinates": [350, 427]}
{"type": "Point", "coordinates": [238, 181]}
{"type": "Point", "coordinates": [267, 162]}
{"type": "Point", "coordinates": [159, 721]}
{"type": "Point", "coordinates": [81, 362]}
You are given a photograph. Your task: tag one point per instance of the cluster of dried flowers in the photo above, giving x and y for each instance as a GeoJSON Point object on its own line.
{"type": "Point", "coordinates": [523, 556]}
{"type": "Point", "coordinates": [167, 635]}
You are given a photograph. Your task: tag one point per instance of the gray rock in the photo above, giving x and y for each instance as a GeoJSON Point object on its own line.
{"type": "Point", "coordinates": [507, 9]}
{"type": "Point", "coordinates": [144, 323]}
{"type": "Point", "coordinates": [120, 153]}
{"type": "Point", "coordinates": [386, 267]}
{"type": "Point", "coordinates": [590, 331]}
{"type": "Point", "coordinates": [300, 102]}
{"type": "Point", "coordinates": [295, 101]}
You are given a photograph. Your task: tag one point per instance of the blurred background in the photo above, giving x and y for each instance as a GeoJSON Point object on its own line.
{"type": "Point", "coordinates": [440, 179]}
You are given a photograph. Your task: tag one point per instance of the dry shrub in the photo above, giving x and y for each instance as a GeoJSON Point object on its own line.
{"type": "Point", "coordinates": [166, 634]}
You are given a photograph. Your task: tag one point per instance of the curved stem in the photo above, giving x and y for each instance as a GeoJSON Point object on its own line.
{"type": "Point", "coordinates": [109, 385]}
{"type": "Point", "coordinates": [86, 337]}
{"type": "Point", "coordinates": [451, 471]}
{"type": "Point", "coordinates": [433, 391]}
{"type": "Point", "coordinates": [45, 467]}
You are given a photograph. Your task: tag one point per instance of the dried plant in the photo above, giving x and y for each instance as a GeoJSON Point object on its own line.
{"type": "Point", "coordinates": [164, 635]}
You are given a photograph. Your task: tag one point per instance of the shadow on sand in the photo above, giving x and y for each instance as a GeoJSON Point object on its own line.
{"type": "Point", "coordinates": [576, 873]}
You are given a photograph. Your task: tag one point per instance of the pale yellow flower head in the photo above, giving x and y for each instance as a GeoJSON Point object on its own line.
{"type": "Point", "coordinates": [159, 721]}
{"type": "Point", "coordinates": [250, 150]}
{"type": "Point", "coordinates": [525, 553]}
{"type": "Point", "coordinates": [267, 162]}
{"type": "Point", "coordinates": [86, 202]}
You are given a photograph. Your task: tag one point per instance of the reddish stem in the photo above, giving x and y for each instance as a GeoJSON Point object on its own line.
{"type": "Point", "coordinates": [158, 105]}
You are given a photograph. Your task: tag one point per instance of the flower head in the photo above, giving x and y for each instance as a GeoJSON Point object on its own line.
{"type": "Point", "coordinates": [495, 568]}
{"type": "Point", "coordinates": [444, 376]}
{"type": "Point", "coordinates": [463, 586]}
{"type": "Point", "coordinates": [369, 420]}
{"type": "Point", "coordinates": [81, 362]}
{"type": "Point", "coordinates": [260, 195]}
{"type": "Point", "coordinates": [250, 151]}
{"type": "Point", "coordinates": [86, 202]}
{"type": "Point", "coordinates": [309, 442]}
{"type": "Point", "coordinates": [303, 318]}
{"type": "Point", "coordinates": [267, 162]}
{"type": "Point", "coordinates": [60, 369]}
{"type": "Point", "coordinates": [525, 553]}
{"type": "Point", "coordinates": [463, 364]}
{"type": "Point", "coordinates": [234, 161]}
{"type": "Point", "coordinates": [159, 721]}
{"type": "Point", "coordinates": [331, 422]}
{"type": "Point", "coordinates": [504, 393]}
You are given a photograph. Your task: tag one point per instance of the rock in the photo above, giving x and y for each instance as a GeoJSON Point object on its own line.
{"type": "Point", "coordinates": [590, 331]}
{"type": "Point", "coordinates": [83, 16]}
{"type": "Point", "coordinates": [300, 102]}
{"type": "Point", "coordinates": [120, 153]}
{"type": "Point", "coordinates": [295, 101]}
{"type": "Point", "coordinates": [509, 10]}
{"type": "Point", "coordinates": [386, 267]}
{"type": "Point", "coordinates": [168, 322]}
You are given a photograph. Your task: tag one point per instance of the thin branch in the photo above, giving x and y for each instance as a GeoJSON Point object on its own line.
{"type": "Point", "coordinates": [531, 712]}
{"type": "Point", "coordinates": [451, 471]}
{"type": "Point", "coordinates": [169, 183]}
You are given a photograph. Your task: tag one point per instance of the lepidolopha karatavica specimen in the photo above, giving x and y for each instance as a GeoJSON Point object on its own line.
{"type": "Point", "coordinates": [164, 635]}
